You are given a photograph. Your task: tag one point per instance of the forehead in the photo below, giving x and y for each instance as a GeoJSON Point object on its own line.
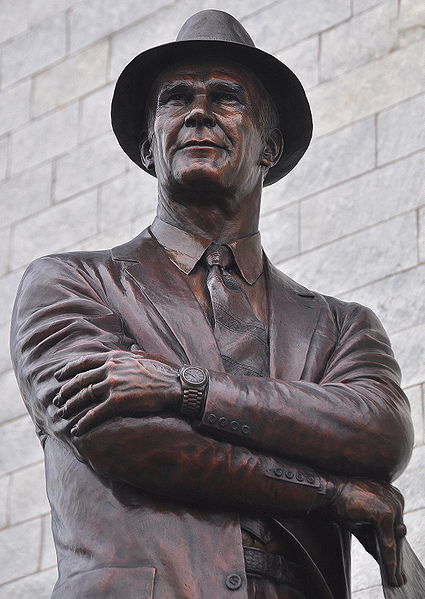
{"type": "Point", "coordinates": [208, 72]}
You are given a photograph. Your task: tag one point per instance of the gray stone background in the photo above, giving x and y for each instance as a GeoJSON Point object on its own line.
{"type": "Point", "coordinates": [348, 221]}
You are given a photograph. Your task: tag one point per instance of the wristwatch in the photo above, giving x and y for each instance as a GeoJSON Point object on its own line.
{"type": "Point", "coordinates": [194, 382]}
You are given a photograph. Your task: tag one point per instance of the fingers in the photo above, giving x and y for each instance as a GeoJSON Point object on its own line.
{"type": "Point", "coordinates": [387, 547]}
{"type": "Point", "coordinates": [83, 399]}
{"type": "Point", "coordinates": [80, 365]}
{"type": "Point", "coordinates": [77, 383]}
{"type": "Point", "coordinates": [400, 531]}
{"type": "Point", "coordinates": [94, 417]}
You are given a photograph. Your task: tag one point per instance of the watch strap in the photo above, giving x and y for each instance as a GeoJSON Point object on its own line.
{"type": "Point", "coordinates": [192, 402]}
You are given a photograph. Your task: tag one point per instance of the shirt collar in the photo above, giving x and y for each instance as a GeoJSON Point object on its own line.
{"type": "Point", "coordinates": [185, 249]}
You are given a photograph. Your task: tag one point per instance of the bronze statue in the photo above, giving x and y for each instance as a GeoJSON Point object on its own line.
{"type": "Point", "coordinates": [211, 428]}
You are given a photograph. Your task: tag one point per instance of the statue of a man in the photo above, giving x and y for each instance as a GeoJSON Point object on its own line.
{"type": "Point", "coordinates": [212, 429]}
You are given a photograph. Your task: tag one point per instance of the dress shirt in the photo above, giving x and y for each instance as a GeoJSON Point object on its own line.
{"type": "Point", "coordinates": [185, 250]}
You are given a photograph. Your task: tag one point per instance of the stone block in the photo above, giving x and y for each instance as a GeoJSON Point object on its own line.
{"type": "Point", "coordinates": [11, 405]}
{"type": "Point", "coordinates": [287, 22]}
{"type": "Point", "coordinates": [409, 349]}
{"type": "Point", "coordinates": [359, 40]}
{"type": "Point", "coordinates": [54, 229]}
{"type": "Point", "coordinates": [25, 194]}
{"type": "Point", "coordinates": [411, 482]}
{"type": "Point", "coordinates": [21, 446]}
{"type": "Point", "coordinates": [370, 593]}
{"type": "Point", "coordinates": [95, 113]}
{"type": "Point", "coordinates": [93, 19]}
{"type": "Point", "coordinates": [415, 527]}
{"type": "Point", "coordinates": [15, 106]}
{"type": "Point", "coordinates": [28, 497]}
{"type": "Point", "coordinates": [421, 235]}
{"type": "Point", "coordinates": [141, 222]}
{"type": "Point", "coordinates": [106, 239]}
{"type": "Point", "coordinates": [126, 197]}
{"type": "Point", "coordinates": [303, 59]}
{"type": "Point", "coordinates": [4, 249]}
{"type": "Point", "coordinates": [23, 543]}
{"type": "Point", "coordinates": [4, 152]}
{"type": "Point", "coordinates": [88, 165]}
{"type": "Point", "coordinates": [14, 18]}
{"type": "Point", "coordinates": [8, 286]}
{"type": "Point", "coordinates": [400, 130]}
{"type": "Point", "coordinates": [36, 586]}
{"type": "Point", "coordinates": [38, 11]}
{"type": "Point", "coordinates": [365, 571]}
{"type": "Point", "coordinates": [4, 491]}
{"type": "Point", "coordinates": [5, 361]}
{"type": "Point", "coordinates": [368, 89]}
{"type": "Point", "coordinates": [279, 233]}
{"type": "Point", "coordinates": [399, 300]}
{"type": "Point", "coordinates": [414, 395]}
{"type": "Point", "coordinates": [361, 5]}
{"type": "Point", "coordinates": [48, 551]}
{"type": "Point", "coordinates": [45, 138]}
{"type": "Point", "coordinates": [71, 78]}
{"type": "Point", "coordinates": [328, 161]}
{"type": "Point", "coordinates": [412, 14]}
{"type": "Point", "coordinates": [35, 49]}
{"type": "Point", "coordinates": [361, 202]}
{"type": "Point", "coordinates": [358, 259]}
{"type": "Point", "coordinates": [156, 29]}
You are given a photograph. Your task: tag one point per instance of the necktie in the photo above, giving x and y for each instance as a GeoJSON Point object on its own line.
{"type": "Point", "coordinates": [240, 336]}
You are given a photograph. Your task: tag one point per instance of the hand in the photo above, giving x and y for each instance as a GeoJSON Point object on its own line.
{"type": "Point", "coordinates": [360, 505]}
{"type": "Point", "coordinates": [116, 383]}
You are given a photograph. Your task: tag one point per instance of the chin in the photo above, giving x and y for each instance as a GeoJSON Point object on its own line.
{"type": "Point", "coordinates": [200, 174]}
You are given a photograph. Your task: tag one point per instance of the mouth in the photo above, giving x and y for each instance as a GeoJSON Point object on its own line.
{"type": "Point", "coordinates": [202, 143]}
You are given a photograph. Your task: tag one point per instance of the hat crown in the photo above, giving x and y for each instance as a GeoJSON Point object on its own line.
{"type": "Point", "coordinates": [214, 25]}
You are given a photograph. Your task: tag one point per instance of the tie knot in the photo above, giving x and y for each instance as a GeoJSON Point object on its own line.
{"type": "Point", "coordinates": [219, 255]}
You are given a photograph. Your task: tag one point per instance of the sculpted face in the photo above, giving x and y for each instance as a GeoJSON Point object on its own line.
{"type": "Point", "coordinates": [205, 127]}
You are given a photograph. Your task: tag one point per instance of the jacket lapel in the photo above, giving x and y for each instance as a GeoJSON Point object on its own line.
{"type": "Point", "coordinates": [293, 314]}
{"type": "Point", "coordinates": [164, 286]}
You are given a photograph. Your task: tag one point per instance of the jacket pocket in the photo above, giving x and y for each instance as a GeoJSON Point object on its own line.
{"type": "Point", "coordinates": [108, 583]}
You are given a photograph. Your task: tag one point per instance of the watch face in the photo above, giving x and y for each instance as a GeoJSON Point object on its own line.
{"type": "Point", "coordinates": [194, 375]}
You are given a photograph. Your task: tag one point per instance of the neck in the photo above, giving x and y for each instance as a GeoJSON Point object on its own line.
{"type": "Point", "coordinates": [221, 218]}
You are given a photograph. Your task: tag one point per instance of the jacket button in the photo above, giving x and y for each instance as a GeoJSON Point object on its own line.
{"type": "Point", "coordinates": [289, 474]}
{"type": "Point", "coordinates": [300, 476]}
{"type": "Point", "coordinates": [211, 418]}
{"type": "Point", "coordinates": [245, 429]}
{"type": "Point", "coordinates": [234, 425]}
{"type": "Point", "coordinates": [278, 471]}
{"type": "Point", "coordinates": [223, 421]}
{"type": "Point", "coordinates": [233, 582]}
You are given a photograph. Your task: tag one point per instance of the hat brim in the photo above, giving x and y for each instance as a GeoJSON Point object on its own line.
{"type": "Point", "coordinates": [128, 110]}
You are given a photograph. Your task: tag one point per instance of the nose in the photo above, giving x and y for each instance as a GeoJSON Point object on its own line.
{"type": "Point", "coordinates": [200, 115]}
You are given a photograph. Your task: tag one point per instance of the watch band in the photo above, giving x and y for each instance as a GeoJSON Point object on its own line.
{"type": "Point", "coordinates": [194, 382]}
{"type": "Point", "coordinates": [192, 402]}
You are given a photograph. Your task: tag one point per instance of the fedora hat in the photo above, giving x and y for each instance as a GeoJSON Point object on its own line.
{"type": "Point", "coordinates": [217, 34]}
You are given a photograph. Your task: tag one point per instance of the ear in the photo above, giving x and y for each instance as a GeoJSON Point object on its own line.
{"type": "Point", "coordinates": [146, 154]}
{"type": "Point", "coordinates": [273, 149]}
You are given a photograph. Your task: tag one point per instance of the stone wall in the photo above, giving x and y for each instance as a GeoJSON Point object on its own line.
{"type": "Point", "coordinates": [348, 221]}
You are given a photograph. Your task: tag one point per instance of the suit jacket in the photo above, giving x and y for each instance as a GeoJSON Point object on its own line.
{"type": "Point", "coordinates": [149, 508]}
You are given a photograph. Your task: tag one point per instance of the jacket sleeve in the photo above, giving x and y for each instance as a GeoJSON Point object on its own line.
{"type": "Point", "coordinates": [354, 421]}
{"type": "Point", "coordinates": [61, 314]}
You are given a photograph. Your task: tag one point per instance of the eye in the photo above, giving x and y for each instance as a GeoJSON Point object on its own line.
{"type": "Point", "coordinates": [177, 99]}
{"type": "Point", "coordinates": [226, 98]}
